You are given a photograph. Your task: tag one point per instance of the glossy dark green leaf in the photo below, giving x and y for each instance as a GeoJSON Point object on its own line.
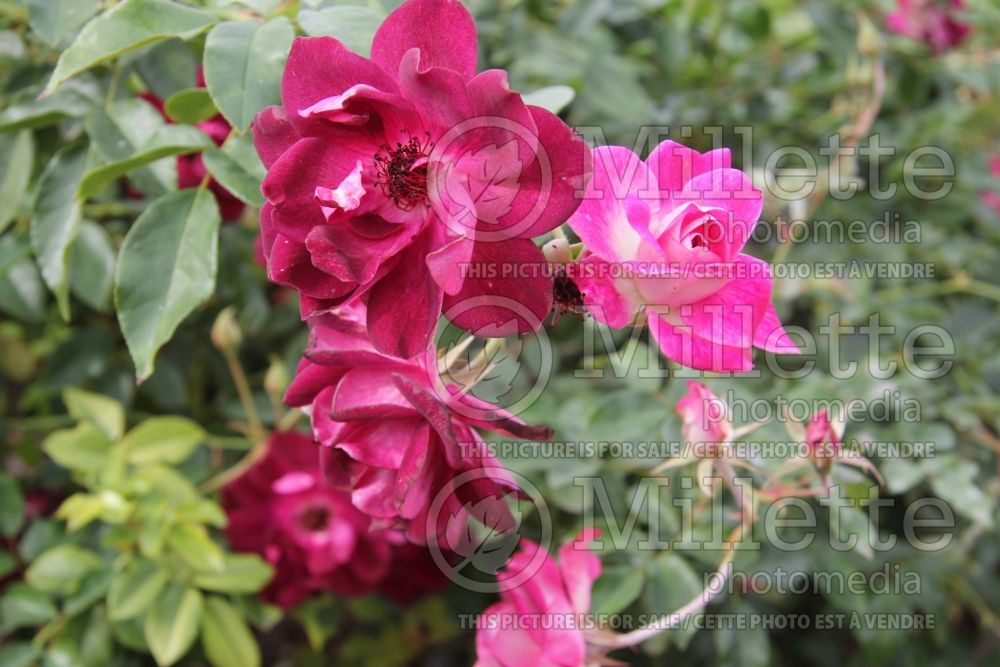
{"type": "Point", "coordinates": [22, 292]}
{"type": "Point", "coordinates": [72, 101]}
{"type": "Point", "coordinates": [124, 130]}
{"type": "Point", "coordinates": [127, 26]}
{"type": "Point", "coordinates": [244, 61]}
{"type": "Point", "coordinates": [169, 140]}
{"type": "Point", "coordinates": [238, 169]}
{"type": "Point", "coordinates": [176, 239]}
{"type": "Point", "coordinates": [57, 220]}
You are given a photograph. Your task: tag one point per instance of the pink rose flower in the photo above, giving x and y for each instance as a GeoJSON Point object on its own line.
{"type": "Point", "coordinates": [395, 436]}
{"type": "Point", "coordinates": [388, 177]}
{"type": "Point", "coordinates": [930, 21]}
{"type": "Point", "coordinates": [314, 538]}
{"type": "Point", "coordinates": [558, 588]}
{"type": "Point", "coordinates": [667, 234]}
{"type": "Point", "coordinates": [704, 416]}
{"type": "Point", "coordinates": [822, 438]}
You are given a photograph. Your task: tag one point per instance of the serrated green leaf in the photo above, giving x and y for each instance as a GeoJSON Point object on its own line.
{"type": "Point", "coordinates": [125, 27]}
{"type": "Point", "coordinates": [244, 61]}
{"type": "Point", "coordinates": [56, 21]}
{"type": "Point", "coordinates": [226, 637]}
{"type": "Point", "coordinates": [134, 588]}
{"type": "Point", "coordinates": [17, 153]}
{"type": "Point", "coordinates": [103, 411]}
{"type": "Point", "coordinates": [172, 623]}
{"type": "Point", "coordinates": [176, 239]}
{"type": "Point", "coordinates": [57, 220]}
{"type": "Point", "coordinates": [241, 573]}
{"type": "Point", "coordinates": [168, 141]}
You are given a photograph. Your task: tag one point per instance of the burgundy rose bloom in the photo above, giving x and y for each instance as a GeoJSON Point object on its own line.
{"type": "Point", "coordinates": [930, 21]}
{"type": "Point", "coordinates": [387, 176]}
{"type": "Point", "coordinates": [396, 437]}
{"type": "Point", "coordinates": [316, 540]}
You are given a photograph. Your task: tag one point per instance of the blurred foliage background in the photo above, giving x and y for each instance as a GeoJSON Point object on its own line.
{"type": "Point", "coordinates": [795, 72]}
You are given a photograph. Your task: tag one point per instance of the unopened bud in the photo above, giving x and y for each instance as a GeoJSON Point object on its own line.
{"type": "Point", "coordinates": [557, 251]}
{"type": "Point", "coordinates": [276, 380]}
{"type": "Point", "coordinates": [226, 334]}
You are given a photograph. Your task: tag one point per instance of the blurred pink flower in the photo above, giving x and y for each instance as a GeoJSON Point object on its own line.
{"type": "Point", "coordinates": [283, 509]}
{"type": "Point", "coordinates": [395, 436]}
{"type": "Point", "coordinates": [930, 21]}
{"type": "Point", "coordinates": [558, 589]}
{"type": "Point", "coordinates": [704, 416]}
{"type": "Point", "coordinates": [388, 176]}
{"type": "Point", "coordinates": [667, 234]}
{"type": "Point", "coordinates": [822, 438]}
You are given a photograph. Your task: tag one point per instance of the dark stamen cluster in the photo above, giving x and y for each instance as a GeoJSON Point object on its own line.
{"type": "Point", "coordinates": [566, 296]}
{"type": "Point", "coordinates": [399, 179]}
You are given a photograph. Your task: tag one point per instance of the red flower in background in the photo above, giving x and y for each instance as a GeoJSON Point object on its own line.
{"type": "Point", "coordinates": [992, 199]}
{"type": "Point", "coordinates": [310, 533]}
{"type": "Point", "coordinates": [930, 21]}
{"type": "Point", "coordinates": [386, 177]}
{"type": "Point", "coordinates": [395, 436]}
{"type": "Point", "coordinates": [191, 168]}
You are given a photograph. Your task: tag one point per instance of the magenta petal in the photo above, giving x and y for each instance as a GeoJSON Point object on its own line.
{"type": "Point", "coordinates": [771, 336]}
{"type": "Point", "coordinates": [273, 134]}
{"type": "Point", "coordinates": [289, 265]}
{"type": "Point", "coordinates": [309, 380]}
{"type": "Point", "coordinates": [341, 252]}
{"type": "Point", "coordinates": [508, 290]}
{"type": "Point", "coordinates": [673, 164]}
{"type": "Point", "coordinates": [680, 344]}
{"type": "Point", "coordinates": [321, 67]}
{"type": "Point", "coordinates": [730, 191]}
{"type": "Point", "coordinates": [434, 411]}
{"type": "Point", "coordinates": [373, 492]}
{"type": "Point", "coordinates": [602, 221]}
{"type": "Point", "coordinates": [443, 30]}
{"type": "Point", "coordinates": [449, 263]}
{"type": "Point", "coordinates": [365, 393]}
{"type": "Point", "coordinates": [379, 442]}
{"type": "Point", "coordinates": [731, 315]}
{"type": "Point", "coordinates": [605, 298]}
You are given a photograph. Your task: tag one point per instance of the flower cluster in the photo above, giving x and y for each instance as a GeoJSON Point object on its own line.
{"type": "Point", "coordinates": [314, 538]}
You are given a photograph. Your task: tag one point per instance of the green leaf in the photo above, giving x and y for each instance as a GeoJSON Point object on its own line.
{"type": "Point", "coordinates": [168, 141]}
{"type": "Point", "coordinates": [22, 293]}
{"type": "Point", "coordinates": [55, 21]}
{"type": "Point", "coordinates": [126, 129]}
{"type": "Point", "coordinates": [134, 589]}
{"type": "Point", "coordinates": [11, 506]}
{"type": "Point", "coordinates": [237, 174]}
{"type": "Point", "coordinates": [241, 573]}
{"type": "Point", "coordinates": [191, 542]}
{"type": "Point", "coordinates": [168, 67]}
{"type": "Point", "coordinates": [124, 27]}
{"type": "Point", "coordinates": [172, 623]}
{"type": "Point", "coordinates": [57, 219]}
{"type": "Point", "coordinates": [192, 105]}
{"type": "Point", "coordinates": [955, 482]}
{"type": "Point", "coordinates": [84, 448]}
{"type": "Point", "coordinates": [60, 569]}
{"type": "Point", "coordinates": [19, 654]}
{"type": "Point", "coordinates": [175, 239]}
{"type": "Point", "coordinates": [162, 440]}
{"type": "Point", "coordinates": [672, 584]}
{"type": "Point", "coordinates": [244, 61]}
{"type": "Point", "coordinates": [96, 647]}
{"type": "Point", "coordinates": [23, 607]}
{"type": "Point", "coordinates": [92, 267]}
{"type": "Point", "coordinates": [18, 154]}
{"type": "Point", "coordinates": [552, 98]}
{"type": "Point", "coordinates": [616, 589]}
{"type": "Point", "coordinates": [94, 587]}
{"type": "Point", "coordinates": [354, 26]}
{"type": "Point", "coordinates": [226, 637]}
{"type": "Point", "coordinates": [73, 101]}
{"type": "Point", "coordinates": [103, 411]}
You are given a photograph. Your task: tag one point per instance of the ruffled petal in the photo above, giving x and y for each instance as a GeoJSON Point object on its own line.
{"type": "Point", "coordinates": [443, 31]}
